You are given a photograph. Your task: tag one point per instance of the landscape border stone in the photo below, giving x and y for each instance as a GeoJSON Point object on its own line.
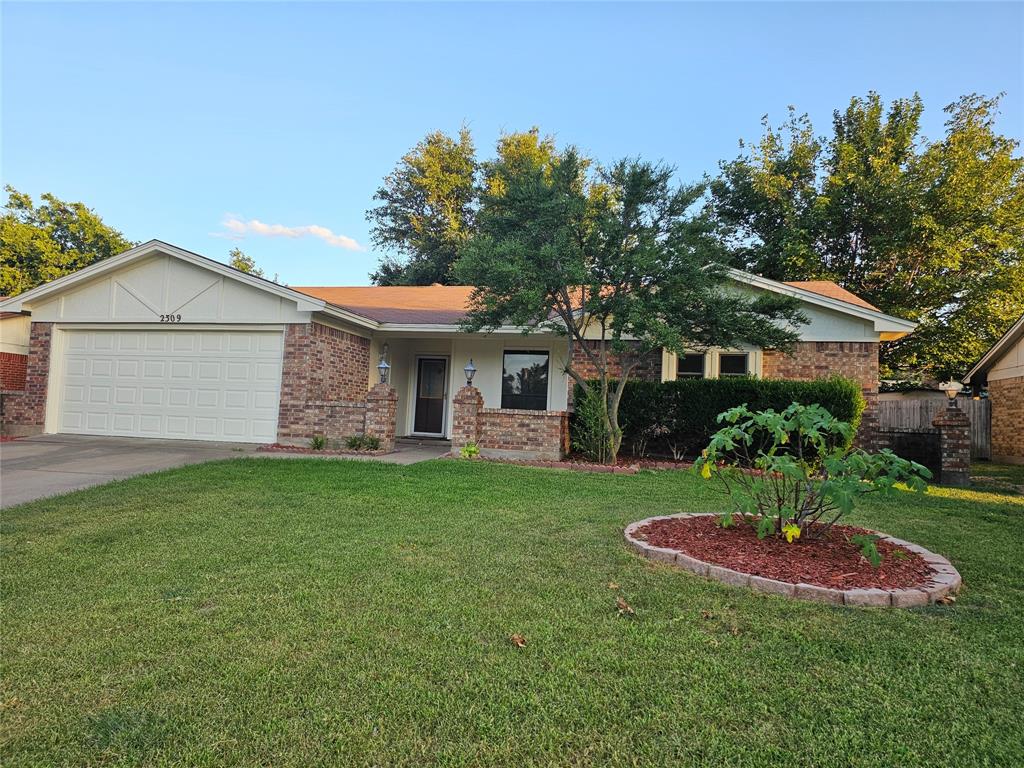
{"type": "Point", "coordinates": [944, 580]}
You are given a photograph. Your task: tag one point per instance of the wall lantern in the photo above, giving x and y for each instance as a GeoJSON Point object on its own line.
{"type": "Point", "coordinates": [952, 389]}
{"type": "Point", "coordinates": [383, 367]}
{"type": "Point", "coordinates": [470, 371]}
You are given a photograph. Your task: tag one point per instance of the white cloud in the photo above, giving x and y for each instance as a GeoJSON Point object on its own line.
{"type": "Point", "coordinates": [236, 228]}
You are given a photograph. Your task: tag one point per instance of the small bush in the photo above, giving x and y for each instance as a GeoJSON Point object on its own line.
{"type": "Point", "coordinates": [678, 418]}
{"type": "Point", "coordinates": [318, 442]}
{"type": "Point", "coordinates": [804, 478]}
{"type": "Point", "coordinates": [588, 434]}
{"type": "Point", "coordinates": [362, 443]}
{"type": "Point", "coordinates": [469, 451]}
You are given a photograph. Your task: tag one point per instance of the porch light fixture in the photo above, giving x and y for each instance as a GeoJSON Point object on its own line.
{"type": "Point", "coordinates": [383, 367]}
{"type": "Point", "coordinates": [470, 371]}
{"type": "Point", "coordinates": [952, 389]}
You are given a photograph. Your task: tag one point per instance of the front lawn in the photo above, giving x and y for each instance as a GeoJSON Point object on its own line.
{"type": "Point", "coordinates": [301, 613]}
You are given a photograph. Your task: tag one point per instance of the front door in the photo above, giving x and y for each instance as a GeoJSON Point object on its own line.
{"type": "Point", "coordinates": [430, 395]}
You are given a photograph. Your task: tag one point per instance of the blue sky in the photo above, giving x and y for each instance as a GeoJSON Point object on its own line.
{"type": "Point", "coordinates": [172, 119]}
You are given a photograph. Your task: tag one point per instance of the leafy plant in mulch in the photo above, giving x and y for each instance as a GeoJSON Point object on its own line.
{"type": "Point", "coordinates": [363, 443]}
{"type": "Point", "coordinates": [470, 451]}
{"type": "Point", "coordinates": [318, 442]}
{"type": "Point", "coordinates": [793, 475]}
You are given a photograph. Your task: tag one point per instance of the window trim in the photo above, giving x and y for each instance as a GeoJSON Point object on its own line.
{"type": "Point", "coordinates": [746, 365]}
{"type": "Point", "coordinates": [519, 350]}
{"type": "Point", "coordinates": [691, 375]}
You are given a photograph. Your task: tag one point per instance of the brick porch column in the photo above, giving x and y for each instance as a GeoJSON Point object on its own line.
{"type": "Point", "coordinates": [955, 445]}
{"type": "Point", "coordinates": [381, 415]}
{"type": "Point", "coordinates": [466, 418]}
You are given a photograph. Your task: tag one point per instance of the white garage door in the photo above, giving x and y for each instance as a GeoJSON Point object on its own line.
{"type": "Point", "coordinates": [196, 385]}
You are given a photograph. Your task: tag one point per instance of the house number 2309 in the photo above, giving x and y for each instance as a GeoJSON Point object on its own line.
{"type": "Point", "coordinates": [170, 318]}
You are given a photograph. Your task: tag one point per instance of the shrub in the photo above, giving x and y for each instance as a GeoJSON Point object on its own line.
{"type": "Point", "coordinates": [470, 450]}
{"type": "Point", "coordinates": [362, 443]}
{"type": "Point", "coordinates": [318, 442]}
{"type": "Point", "coordinates": [802, 480]}
{"type": "Point", "coordinates": [588, 433]}
{"type": "Point", "coordinates": [678, 418]}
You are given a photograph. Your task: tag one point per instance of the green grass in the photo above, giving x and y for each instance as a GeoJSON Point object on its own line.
{"type": "Point", "coordinates": [1007, 478]}
{"type": "Point", "coordinates": [303, 613]}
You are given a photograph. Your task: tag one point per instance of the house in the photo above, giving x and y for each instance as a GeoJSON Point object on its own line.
{"type": "Point", "coordinates": [162, 342]}
{"type": "Point", "coordinates": [14, 331]}
{"type": "Point", "coordinates": [1001, 371]}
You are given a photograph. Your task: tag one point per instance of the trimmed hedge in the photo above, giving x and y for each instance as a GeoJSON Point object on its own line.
{"type": "Point", "coordinates": [677, 418]}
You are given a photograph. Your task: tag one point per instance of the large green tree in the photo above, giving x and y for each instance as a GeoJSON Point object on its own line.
{"type": "Point", "coordinates": [611, 258]}
{"type": "Point", "coordinates": [428, 205]}
{"type": "Point", "coordinates": [425, 211]}
{"type": "Point", "coordinates": [39, 243]}
{"type": "Point", "coordinates": [932, 231]}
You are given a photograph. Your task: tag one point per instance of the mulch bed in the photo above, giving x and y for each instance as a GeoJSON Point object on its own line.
{"type": "Point", "coordinates": [831, 561]}
{"type": "Point", "coordinates": [7, 439]}
{"type": "Point", "coordinates": [279, 448]}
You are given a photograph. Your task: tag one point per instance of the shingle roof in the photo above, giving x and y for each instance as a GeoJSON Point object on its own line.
{"type": "Point", "coordinates": [448, 304]}
{"type": "Point", "coordinates": [833, 291]}
{"type": "Point", "coordinates": [421, 304]}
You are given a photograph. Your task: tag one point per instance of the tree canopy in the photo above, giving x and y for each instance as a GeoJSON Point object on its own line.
{"type": "Point", "coordinates": [930, 231]}
{"type": "Point", "coordinates": [612, 258]}
{"type": "Point", "coordinates": [426, 211]}
{"type": "Point", "coordinates": [238, 259]}
{"type": "Point", "coordinates": [39, 243]}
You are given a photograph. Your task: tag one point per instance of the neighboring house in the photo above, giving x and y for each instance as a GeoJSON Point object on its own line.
{"type": "Point", "coordinates": [1001, 371]}
{"type": "Point", "coordinates": [14, 331]}
{"type": "Point", "coordinates": [162, 342]}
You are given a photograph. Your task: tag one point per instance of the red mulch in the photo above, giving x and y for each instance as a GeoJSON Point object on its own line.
{"type": "Point", "coordinates": [7, 439]}
{"type": "Point", "coordinates": [831, 561]}
{"type": "Point", "coordinates": [279, 448]}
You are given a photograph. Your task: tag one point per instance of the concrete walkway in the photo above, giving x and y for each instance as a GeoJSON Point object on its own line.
{"type": "Point", "coordinates": [36, 467]}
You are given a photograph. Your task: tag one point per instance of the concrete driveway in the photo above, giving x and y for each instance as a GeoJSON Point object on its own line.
{"type": "Point", "coordinates": [34, 467]}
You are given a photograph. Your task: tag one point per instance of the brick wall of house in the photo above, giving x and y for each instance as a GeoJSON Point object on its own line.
{"type": "Point", "coordinates": [12, 371]}
{"type": "Point", "coordinates": [1007, 397]}
{"type": "Point", "coordinates": [857, 360]}
{"type": "Point", "coordinates": [649, 368]}
{"type": "Point", "coordinates": [323, 383]}
{"type": "Point", "coordinates": [24, 412]}
{"type": "Point", "coordinates": [523, 433]}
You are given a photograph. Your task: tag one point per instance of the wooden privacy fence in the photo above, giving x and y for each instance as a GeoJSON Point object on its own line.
{"type": "Point", "coordinates": [917, 415]}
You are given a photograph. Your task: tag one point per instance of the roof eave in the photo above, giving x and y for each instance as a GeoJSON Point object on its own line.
{"type": "Point", "coordinates": [304, 303]}
{"type": "Point", "coordinates": [883, 323]}
{"type": "Point", "coordinates": [1015, 332]}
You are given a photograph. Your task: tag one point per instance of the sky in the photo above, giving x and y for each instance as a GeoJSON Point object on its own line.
{"type": "Point", "coordinates": [270, 126]}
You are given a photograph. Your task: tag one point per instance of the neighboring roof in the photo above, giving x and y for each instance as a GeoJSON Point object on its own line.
{"type": "Point", "coordinates": [833, 291]}
{"type": "Point", "coordinates": [1004, 344]}
{"type": "Point", "coordinates": [419, 305]}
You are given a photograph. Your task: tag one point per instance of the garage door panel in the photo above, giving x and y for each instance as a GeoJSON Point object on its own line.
{"type": "Point", "coordinates": [101, 368]}
{"type": "Point", "coordinates": [154, 369]}
{"type": "Point", "coordinates": [207, 385]}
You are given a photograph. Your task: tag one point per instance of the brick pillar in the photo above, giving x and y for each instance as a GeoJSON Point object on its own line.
{"type": "Point", "coordinates": [466, 418]}
{"type": "Point", "coordinates": [955, 445]}
{"type": "Point", "coordinates": [381, 415]}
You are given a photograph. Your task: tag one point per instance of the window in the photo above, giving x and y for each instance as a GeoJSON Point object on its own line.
{"type": "Point", "coordinates": [691, 366]}
{"type": "Point", "coordinates": [732, 364]}
{"type": "Point", "coordinates": [524, 381]}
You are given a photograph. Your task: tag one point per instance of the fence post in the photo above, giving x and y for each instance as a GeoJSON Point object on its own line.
{"type": "Point", "coordinates": [954, 445]}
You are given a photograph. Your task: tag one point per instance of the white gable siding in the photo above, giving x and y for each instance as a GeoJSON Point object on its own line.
{"type": "Point", "coordinates": [162, 285]}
